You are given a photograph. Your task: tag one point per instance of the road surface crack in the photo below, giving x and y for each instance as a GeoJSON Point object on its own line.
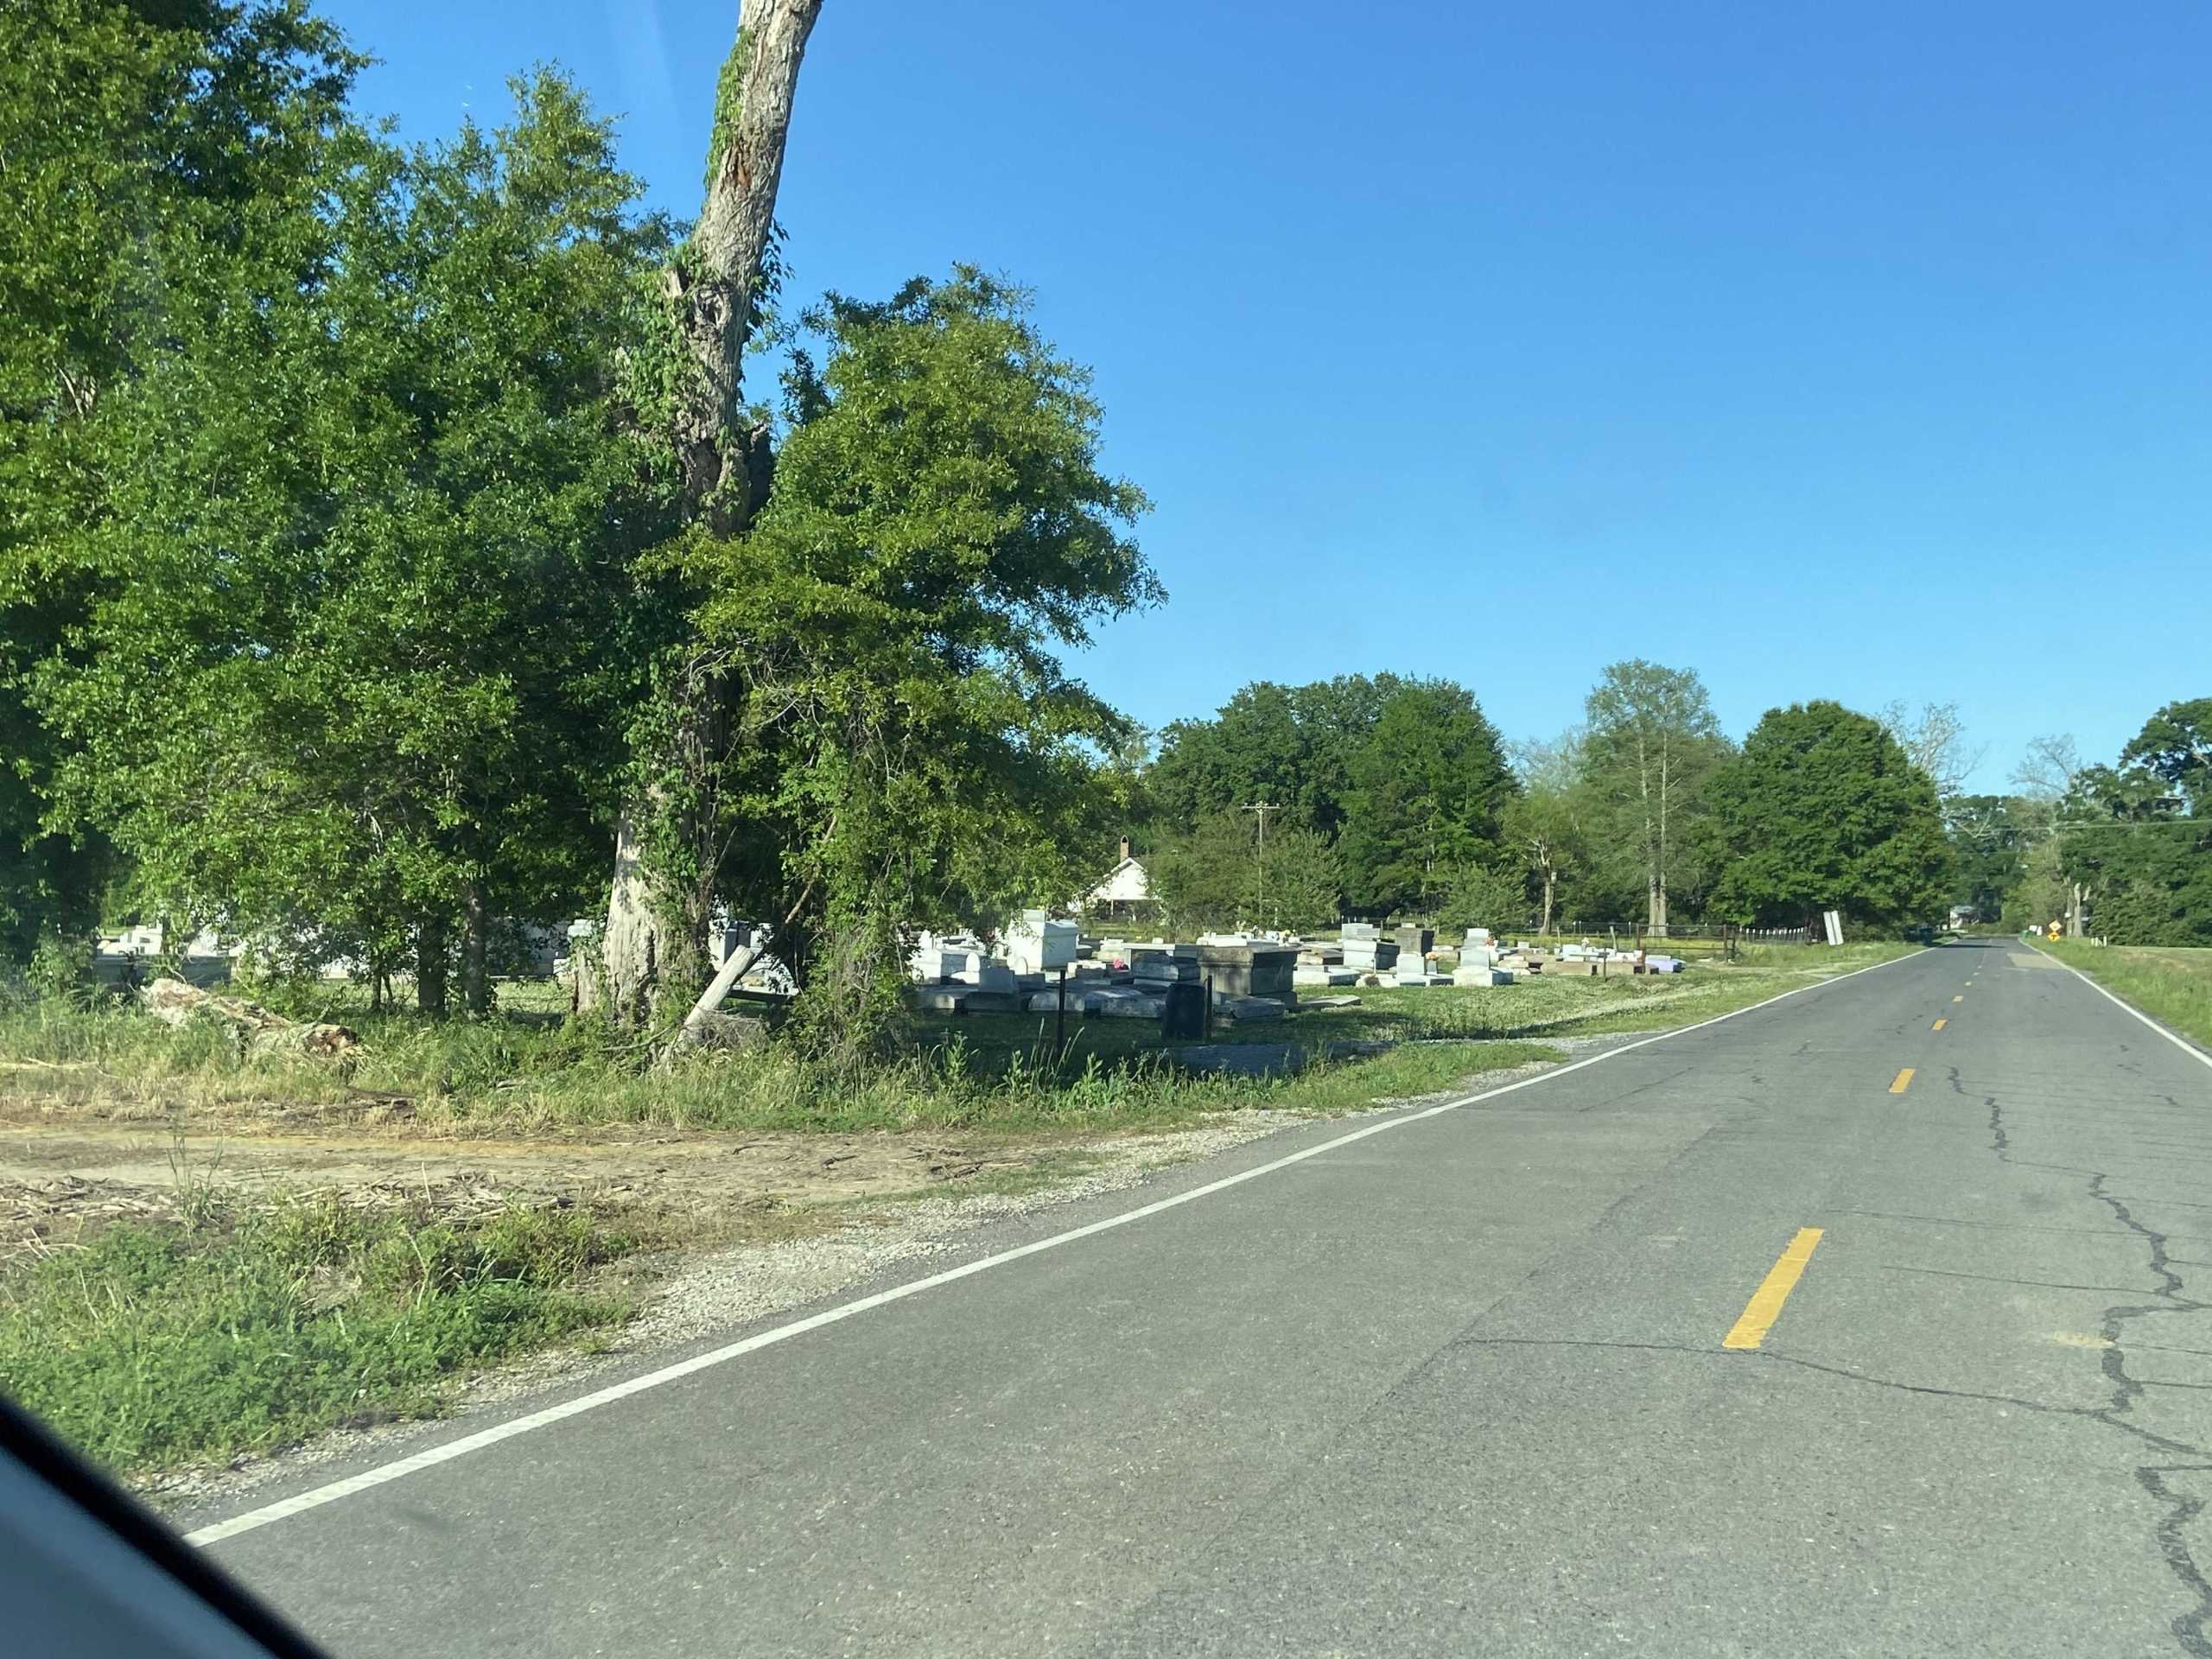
{"type": "Point", "coordinates": [2006, 1278]}
{"type": "Point", "coordinates": [2188, 1628]}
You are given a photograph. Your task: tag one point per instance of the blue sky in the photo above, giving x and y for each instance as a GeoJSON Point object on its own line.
{"type": "Point", "coordinates": [1846, 351]}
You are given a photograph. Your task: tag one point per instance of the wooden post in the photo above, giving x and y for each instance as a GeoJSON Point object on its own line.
{"type": "Point", "coordinates": [1060, 1030]}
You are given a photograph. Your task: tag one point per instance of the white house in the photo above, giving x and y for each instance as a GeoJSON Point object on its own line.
{"type": "Point", "coordinates": [1125, 894]}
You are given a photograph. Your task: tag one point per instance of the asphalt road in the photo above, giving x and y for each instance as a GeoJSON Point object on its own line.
{"type": "Point", "coordinates": [1458, 1386]}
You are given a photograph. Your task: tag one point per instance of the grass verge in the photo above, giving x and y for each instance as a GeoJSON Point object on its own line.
{"type": "Point", "coordinates": [150, 1347]}
{"type": "Point", "coordinates": [2169, 983]}
{"type": "Point", "coordinates": [527, 1072]}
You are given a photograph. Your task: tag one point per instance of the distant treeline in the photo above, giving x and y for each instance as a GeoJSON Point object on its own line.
{"type": "Point", "coordinates": [1387, 796]}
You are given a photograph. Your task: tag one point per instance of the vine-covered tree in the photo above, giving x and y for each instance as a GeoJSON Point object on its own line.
{"type": "Point", "coordinates": [905, 739]}
{"type": "Point", "coordinates": [667, 854]}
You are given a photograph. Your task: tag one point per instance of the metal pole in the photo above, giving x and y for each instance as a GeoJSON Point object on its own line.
{"type": "Point", "coordinates": [1060, 1032]}
{"type": "Point", "coordinates": [1208, 1028]}
{"type": "Point", "coordinates": [1263, 808]}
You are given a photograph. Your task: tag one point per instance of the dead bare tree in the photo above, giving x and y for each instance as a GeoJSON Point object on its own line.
{"type": "Point", "coordinates": [1935, 739]}
{"type": "Point", "coordinates": [2047, 770]}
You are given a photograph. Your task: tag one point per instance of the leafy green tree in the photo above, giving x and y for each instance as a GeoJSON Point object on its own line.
{"type": "Point", "coordinates": [1252, 750]}
{"type": "Point", "coordinates": [2135, 842]}
{"type": "Point", "coordinates": [357, 663]}
{"type": "Point", "coordinates": [1824, 809]}
{"type": "Point", "coordinates": [1650, 742]}
{"type": "Point", "coordinates": [1292, 746]}
{"type": "Point", "coordinates": [1546, 836]}
{"type": "Point", "coordinates": [1217, 877]}
{"type": "Point", "coordinates": [1990, 835]}
{"type": "Point", "coordinates": [1476, 894]}
{"type": "Point", "coordinates": [906, 742]}
{"type": "Point", "coordinates": [2147, 881]}
{"type": "Point", "coordinates": [1337, 719]}
{"type": "Point", "coordinates": [2042, 893]}
{"type": "Point", "coordinates": [1302, 881]}
{"type": "Point", "coordinates": [1430, 787]}
{"type": "Point", "coordinates": [1204, 877]}
{"type": "Point", "coordinates": [139, 141]}
{"type": "Point", "coordinates": [2175, 746]}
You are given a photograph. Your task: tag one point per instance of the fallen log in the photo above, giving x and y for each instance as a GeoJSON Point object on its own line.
{"type": "Point", "coordinates": [254, 1028]}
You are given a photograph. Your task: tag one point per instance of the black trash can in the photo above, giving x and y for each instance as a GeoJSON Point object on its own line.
{"type": "Point", "coordinates": [1183, 1012]}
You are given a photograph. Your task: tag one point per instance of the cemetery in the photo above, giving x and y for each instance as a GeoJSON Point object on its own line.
{"type": "Point", "coordinates": [1060, 974]}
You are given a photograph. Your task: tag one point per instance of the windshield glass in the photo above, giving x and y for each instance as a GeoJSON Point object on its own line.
{"type": "Point", "coordinates": [1007, 828]}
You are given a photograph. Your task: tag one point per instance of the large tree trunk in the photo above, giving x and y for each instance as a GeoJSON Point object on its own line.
{"type": "Point", "coordinates": [717, 291]}
{"type": "Point", "coordinates": [714, 294]}
{"type": "Point", "coordinates": [430, 967]}
{"type": "Point", "coordinates": [618, 976]}
{"type": "Point", "coordinates": [1651, 877]}
{"type": "Point", "coordinates": [475, 931]}
{"type": "Point", "coordinates": [1551, 883]}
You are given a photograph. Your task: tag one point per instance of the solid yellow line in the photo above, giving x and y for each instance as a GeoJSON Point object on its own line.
{"type": "Point", "coordinates": [1765, 1306]}
{"type": "Point", "coordinates": [1903, 1081]}
{"type": "Point", "coordinates": [1938, 1025]}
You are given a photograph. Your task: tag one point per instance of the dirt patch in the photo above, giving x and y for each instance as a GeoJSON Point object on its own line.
{"type": "Point", "coordinates": [54, 1175]}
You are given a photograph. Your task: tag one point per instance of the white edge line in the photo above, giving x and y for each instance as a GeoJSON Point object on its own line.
{"type": "Point", "coordinates": [253, 1519]}
{"type": "Point", "coordinates": [2126, 1006]}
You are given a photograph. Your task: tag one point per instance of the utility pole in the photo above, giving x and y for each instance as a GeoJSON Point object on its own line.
{"type": "Point", "coordinates": [1263, 808]}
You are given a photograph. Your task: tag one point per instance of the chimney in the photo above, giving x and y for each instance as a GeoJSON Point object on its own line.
{"type": "Point", "coordinates": [1125, 848]}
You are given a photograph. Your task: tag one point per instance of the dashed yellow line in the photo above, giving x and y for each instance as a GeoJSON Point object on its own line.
{"type": "Point", "coordinates": [1938, 1025]}
{"type": "Point", "coordinates": [1765, 1306]}
{"type": "Point", "coordinates": [1903, 1083]}
{"type": "Point", "coordinates": [1958, 999]}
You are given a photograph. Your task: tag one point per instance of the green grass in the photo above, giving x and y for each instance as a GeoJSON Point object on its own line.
{"type": "Point", "coordinates": [2169, 983]}
{"type": "Point", "coordinates": [528, 1070]}
{"type": "Point", "coordinates": [510, 1076]}
{"type": "Point", "coordinates": [151, 1347]}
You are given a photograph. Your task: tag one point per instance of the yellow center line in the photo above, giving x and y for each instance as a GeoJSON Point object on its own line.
{"type": "Point", "coordinates": [1765, 1306]}
{"type": "Point", "coordinates": [1938, 1025]}
{"type": "Point", "coordinates": [1903, 1081]}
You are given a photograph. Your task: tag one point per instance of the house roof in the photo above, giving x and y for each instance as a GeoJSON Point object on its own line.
{"type": "Point", "coordinates": [1125, 883]}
